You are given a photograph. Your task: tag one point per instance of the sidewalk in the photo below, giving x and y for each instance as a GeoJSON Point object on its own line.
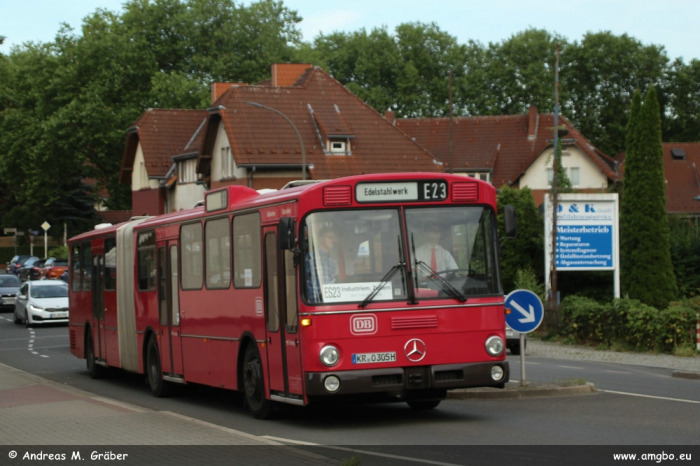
{"type": "Point", "coordinates": [545, 349]}
{"type": "Point", "coordinates": [37, 411]}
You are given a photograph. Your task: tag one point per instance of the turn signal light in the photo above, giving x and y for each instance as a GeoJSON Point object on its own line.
{"type": "Point", "coordinates": [305, 322]}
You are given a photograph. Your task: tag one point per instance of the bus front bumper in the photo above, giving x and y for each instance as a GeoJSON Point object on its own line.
{"type": "Point", "coordinates": [397, 379]}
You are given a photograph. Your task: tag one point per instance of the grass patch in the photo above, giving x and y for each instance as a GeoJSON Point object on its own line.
{"type": "Point", "coordinates": [573, 382]}
{"type": "Point", "coordinates": [685, 351]}
{"type": "Point", "coordinates": [354, 461]}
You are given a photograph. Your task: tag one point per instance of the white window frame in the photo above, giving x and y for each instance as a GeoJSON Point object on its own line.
{"type": "Point", "coordinates": [226, 163]}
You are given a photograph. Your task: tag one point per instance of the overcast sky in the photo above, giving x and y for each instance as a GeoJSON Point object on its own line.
{"type": "Point", "coordinates": [675, 24]}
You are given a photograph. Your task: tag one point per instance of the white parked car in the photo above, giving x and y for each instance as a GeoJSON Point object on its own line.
{"type": "Point", "coordinates": [513, 341]}
{"type": "Point", "coordinates": [42, 302]}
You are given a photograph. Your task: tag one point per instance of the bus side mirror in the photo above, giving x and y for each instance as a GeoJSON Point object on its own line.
{"type": "Point", "coordinates": [286, 235]}
{"type": "Point", "coordinates": [511, 221]}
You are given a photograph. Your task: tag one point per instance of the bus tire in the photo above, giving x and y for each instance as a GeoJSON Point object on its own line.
{"type": "Point", "coordinates": [159, 387]}
{"type": "Point", "coordinates": [423, 405]}
{"type": "Point", "coordinates": [95, 370]}
{"type": "Point", "coordinates": [254, 386]}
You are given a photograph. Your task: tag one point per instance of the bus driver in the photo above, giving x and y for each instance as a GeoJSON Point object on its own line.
{"type": "Point", "coordinates": [321, 266]}
{"type": "Point", "coordinates": [432, 254]}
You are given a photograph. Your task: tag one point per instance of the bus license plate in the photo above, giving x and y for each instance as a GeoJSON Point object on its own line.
{"type": "Point", "coordinates": [371, 358]}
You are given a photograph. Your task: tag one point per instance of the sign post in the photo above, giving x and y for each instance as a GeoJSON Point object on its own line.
{"type": "Point", "coordinates": [46, 227]}
{"type": "Point", "coordinates": [524, 313]}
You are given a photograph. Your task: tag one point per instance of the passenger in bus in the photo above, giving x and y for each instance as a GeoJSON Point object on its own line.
{"type": "Point", "coordinates": [432, 254]}
{"type": "Point", "coordinates": [321, 265]}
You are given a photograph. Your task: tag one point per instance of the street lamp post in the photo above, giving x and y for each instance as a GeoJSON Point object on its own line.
{"type": "Point", "coordinates": [301, 142]}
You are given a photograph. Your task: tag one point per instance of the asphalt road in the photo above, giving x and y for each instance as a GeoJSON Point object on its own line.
{"type": "Point", "coordinates": [600, 419]}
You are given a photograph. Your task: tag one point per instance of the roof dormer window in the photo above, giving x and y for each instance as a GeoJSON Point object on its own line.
{"type": "Point", "coordinates": [338, 147]}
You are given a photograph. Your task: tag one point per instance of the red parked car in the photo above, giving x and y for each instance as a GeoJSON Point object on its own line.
{"type": "Point", "coordinates": [54, 268]}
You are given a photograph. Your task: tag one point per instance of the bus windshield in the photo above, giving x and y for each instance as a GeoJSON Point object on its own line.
{"type": "Point", "coordinates": [348, 253]}
{"type": "Point", "coordinates": [452, 247]}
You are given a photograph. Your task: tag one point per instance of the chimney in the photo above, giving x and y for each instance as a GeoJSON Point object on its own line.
{"type": "Point", "coordinates": [533, 120]}
{"type": "Point", "coordinates": [390, 117]}
{"type": "Point", "coordinates": [218, 89]}
{"type": "Point", "coordinates": [286, 74]}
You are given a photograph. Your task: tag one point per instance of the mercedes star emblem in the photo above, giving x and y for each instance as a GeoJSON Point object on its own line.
{"type": "Point", "coordinates": [414, 349]}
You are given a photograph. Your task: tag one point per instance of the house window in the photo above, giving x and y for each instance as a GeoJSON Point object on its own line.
{"type": "Point", "coordinates": [226, 163]}
{"type": "Point", "coordinates": [338, 147]}
{"type": "Point", "coordinates": [574, 176]}
{"type": "Point", "coordinates": [573, 173]}
{"type": "Point", "coordinates": [484, 176]}
{"type": "Point", "coordinates": [187, 172]}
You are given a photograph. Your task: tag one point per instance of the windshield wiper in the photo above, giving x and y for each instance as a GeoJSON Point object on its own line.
{"type": "Point", "coordinates": [444, 284]}
{"type": "Point", "coordinates": [383, 282]}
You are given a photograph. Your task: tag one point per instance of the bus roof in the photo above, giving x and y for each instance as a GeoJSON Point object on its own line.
{"type": "Point", "coordinates": [250, 199]}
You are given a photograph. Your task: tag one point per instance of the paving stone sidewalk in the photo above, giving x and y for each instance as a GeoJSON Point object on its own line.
{"type": "Point", "coordinates": [538, 348]}
{"type": "Point", "coordinates": [36, 411]}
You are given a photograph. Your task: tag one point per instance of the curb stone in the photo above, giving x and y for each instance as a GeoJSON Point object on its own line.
{"type": "Point", "coordinates": [686, 375]}
{"type": "Point", "coordinates": [514, 391]}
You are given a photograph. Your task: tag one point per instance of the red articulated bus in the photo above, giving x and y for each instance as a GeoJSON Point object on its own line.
{"type": "Point", "coordinates": [379, 287]}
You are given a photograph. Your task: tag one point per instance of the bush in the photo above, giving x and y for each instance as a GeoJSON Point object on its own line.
{"type": "Point", "coordinates": [630, 322]}
{"type": "Point", "coordinates": [526, 279]}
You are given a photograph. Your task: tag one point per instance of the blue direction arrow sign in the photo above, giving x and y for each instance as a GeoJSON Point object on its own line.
{"type": "Point", "coordinates": [526, 311]}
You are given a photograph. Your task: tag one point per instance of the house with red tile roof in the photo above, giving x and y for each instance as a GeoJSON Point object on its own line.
{"type": "Point", "coordinates": [253, 135]}
{"type": "Point", "coordinates": [152, 141]}
{"type": "Point", "coordinates": [682, 171]}
{"type": "Point", "coordinates": [516, 150]}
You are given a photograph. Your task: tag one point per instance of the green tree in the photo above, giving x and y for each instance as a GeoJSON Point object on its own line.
{"type": "Point", "coordinates": [649, 269]}
{"type": "Point", "coordinates": [682, 122]}
{"type": "Point", "coordinates": [600, 74]}
{"type": "Point", "coordinates": [407, 72]}
{"type": "Point", "coordinates": [526, 252]}
{"type": "Point", "coordinates": [630, 213]}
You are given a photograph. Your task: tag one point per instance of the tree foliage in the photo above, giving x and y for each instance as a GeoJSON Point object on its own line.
{"type": "Point", "coordinates": [648, 268]}
{"type": "Point", "coordinates": [526, 251]}
{"type": "Point", "coordinates": [65, 105]}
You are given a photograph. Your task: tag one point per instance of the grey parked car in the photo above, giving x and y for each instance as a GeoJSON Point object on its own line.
{"type": "Point", "coordinates": [9, 286]}
{"type": "Point", "coordinates": [42, 302]}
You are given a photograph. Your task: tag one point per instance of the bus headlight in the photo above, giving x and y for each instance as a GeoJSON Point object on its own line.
{"type": "Point", "coordinates": [329, 356]}
{"type": "Point", "coordinates": [332, 383]}
{"type": "Point", "coordinates": [494, 345]}
{"type": "Point", "coordinates": [496, 373]}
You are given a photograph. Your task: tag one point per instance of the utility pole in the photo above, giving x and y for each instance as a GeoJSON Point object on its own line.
{"type": "Point", "coordinates": [555, 194]}
{"type": "Point", "coordinates": [451, 170]}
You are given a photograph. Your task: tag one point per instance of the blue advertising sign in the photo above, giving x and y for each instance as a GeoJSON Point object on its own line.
{"type": "Point", "coordinates": [524, 311]}
{"type": "Point", "coordinates": [586, 234]}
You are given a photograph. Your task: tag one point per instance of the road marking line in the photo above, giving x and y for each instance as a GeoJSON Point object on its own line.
{"type": "Point", "coordinates": [34, 352]}
{"type": "Point", "coordinates": [286, 440]}
{"type": "Point", "coordinates": [214, 426]}
{"type": "Point", "coordinates": [650, 396]}
{"type": "Point", "coordinates": [618, 372]}
{"type": "Point", "coordinates": [571, 367]}
{"type": "Point", "coordinates": [43, 356]}
{"type": "Point", "coordinates": [532, 363]}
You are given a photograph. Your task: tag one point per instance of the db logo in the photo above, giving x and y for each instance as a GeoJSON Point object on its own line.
{"type": "Point", "coordinates": [364, 324]}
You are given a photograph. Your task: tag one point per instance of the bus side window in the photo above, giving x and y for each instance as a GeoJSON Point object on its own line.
{"type": "Point", "coordinates": [75, 269]}
{"type": "Point", "coordinates": [247, 251]}
{"type": "Point", "coordinates": [110, 264]}
{"type": "Point", "coordinates": [191, 257]}
{"type": "Point", "coordinates": [147, 261]}
{"type": "Point", "coordinates": [218, 266]}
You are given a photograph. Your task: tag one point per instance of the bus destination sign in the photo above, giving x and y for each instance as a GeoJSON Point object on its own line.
{"type": "Point", "coordinates": [424, 191]}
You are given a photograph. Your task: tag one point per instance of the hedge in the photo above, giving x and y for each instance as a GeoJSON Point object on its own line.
{"type": "Point", "coordinates": [631, 322]}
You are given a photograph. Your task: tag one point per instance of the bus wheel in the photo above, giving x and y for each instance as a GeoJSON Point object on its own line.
{"type": "Point", "coordinates": [96, 371]}
{"type": "Point", "coordinates": [159, 387]}
{"type": "Point", "coordinates": [254, 386]}
{"type": "Point", "coordinates": [423, 405]}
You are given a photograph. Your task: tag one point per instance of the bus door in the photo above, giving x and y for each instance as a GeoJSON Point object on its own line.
{"type": "Point", "coordinates": [169, 310]}
{"type": "Point", "coordinates": [98, 308]}
{"type": "Point", "coordinates": [283, 352]}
